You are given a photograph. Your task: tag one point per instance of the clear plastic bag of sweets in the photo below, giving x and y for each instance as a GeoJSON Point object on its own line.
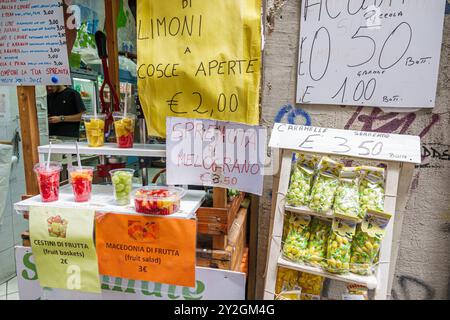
{"type": "Point", "coordinates": [301, 180]}
{"type": "Point", "coordinates": [296, 242]}
{"type": "Point", "coordinates": [356, 292]}
{"type": "Point", "coordinates": [367, 241]}
{"type": "Point", "coordinates": [371, 189]}
{"type": "Point", "coordinates": [317, 245]}
{"type": "Point", "coordinates": [339, 245]}
{"type": "Point", "coordinates": [286, 225]}
{"type": "Point", "coordinates": [287, 280]}
{"type": "Point", "coordinates": [325, 185]}
{"type": "Point", "coordinates": [311, 286]}
{"type": "Point", "coordinates": [346, 201]}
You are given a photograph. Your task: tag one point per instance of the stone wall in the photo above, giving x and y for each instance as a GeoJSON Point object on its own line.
{"type": "Point", "coordinates": [422, 269]}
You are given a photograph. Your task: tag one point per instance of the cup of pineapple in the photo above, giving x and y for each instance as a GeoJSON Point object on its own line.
{"type": "Point", "coordinates": [95, 129]}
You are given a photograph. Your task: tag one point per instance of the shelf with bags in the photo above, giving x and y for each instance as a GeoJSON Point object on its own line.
{"type": "Point", "coordinates": [368, 281]}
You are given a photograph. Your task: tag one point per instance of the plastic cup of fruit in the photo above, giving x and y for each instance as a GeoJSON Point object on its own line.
{"type": "Point", "coordinates": [157, 200]}
{"type": "Point", "coordinates": [81, 180]}
{"type": "Point", "coordinates": [122, 180]}
{"type": "Point", "coordinates": [95, 129]}
{"type": "Point", "coordinates": [124, 127]}
{"type": "Point", "coordinates": [48, 180]}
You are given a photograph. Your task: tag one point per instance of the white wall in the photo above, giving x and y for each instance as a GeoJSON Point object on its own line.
{"type": "Point", "coordinates": [13, 224]}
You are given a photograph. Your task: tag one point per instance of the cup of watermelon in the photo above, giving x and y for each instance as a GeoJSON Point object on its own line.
{"type": "Point", "coordinates": [48, 180]}
{"type": "Point", "coordinates": [81, 180]}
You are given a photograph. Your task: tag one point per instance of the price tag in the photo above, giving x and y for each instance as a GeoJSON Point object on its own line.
{"type": "Point", "coordinates": [375, 53]}
{"type": "Point", "coordinates": [217, 154]}
{"type": "Point", "coordinates": [369, 145]}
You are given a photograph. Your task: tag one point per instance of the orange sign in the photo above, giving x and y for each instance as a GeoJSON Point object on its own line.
{"type": "Point", "coordinates": [151, 249]}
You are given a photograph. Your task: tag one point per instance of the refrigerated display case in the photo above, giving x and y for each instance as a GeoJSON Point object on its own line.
{"type": "Point", "coordinates": [86, 83]}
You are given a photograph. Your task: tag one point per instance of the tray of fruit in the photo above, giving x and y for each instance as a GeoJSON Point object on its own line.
{"type": "Point", "coordinates": [157, 200]}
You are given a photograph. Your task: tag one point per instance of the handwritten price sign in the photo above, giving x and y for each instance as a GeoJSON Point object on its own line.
{"type": "Point", "coordinates": [375, 53]}
{"type": "Point", "coordinates": [199, 59]}
{"type": "Point", "coordinates": [369, 145]}
{"type": "Point", "coordinates": [216, 154]}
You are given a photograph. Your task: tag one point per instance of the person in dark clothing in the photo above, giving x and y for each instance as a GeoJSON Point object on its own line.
{"type": "Point", "coordinates": [65, 109]}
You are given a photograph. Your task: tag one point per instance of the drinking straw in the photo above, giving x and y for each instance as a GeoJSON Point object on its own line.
{"type": "Point", "coordinates": [49, 155]}
{"type": "Point", "coordinates": [95, 107]}
{"type": "Point", "coordinates": [78, 157]}
{"type": "Point", "coordinates": [126, 105]}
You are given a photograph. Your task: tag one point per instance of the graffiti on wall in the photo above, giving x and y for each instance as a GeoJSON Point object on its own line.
{"type": "Point", "coordinates": [291, 113]}
{"type": "Point", "coordinates": [392, 122]}
{"type": "Point", "coordinates": [413, 288]}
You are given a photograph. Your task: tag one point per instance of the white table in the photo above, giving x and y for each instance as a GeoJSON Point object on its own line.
{"type": "Point", "coordinates": [103, 201]}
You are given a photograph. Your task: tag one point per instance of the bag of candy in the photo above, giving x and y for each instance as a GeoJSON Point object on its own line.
{"type": "Point", "coordinates": [367, 241]}
{"type": "Point", "coordinates": [371, 189]}
{"type": "Point", "coordinates": [301, 180]}
{"type": "Point", "coordinates": [287, 279]}
{"type": "Point", "coordinates": [356, 292]}
{"type": "Point", "coordinates": [346, 201]}
{"type": "Point", "coordinates": [287, 287]}
{"type": "Point", "coordinates": [311, 286]}
{"type": "Point", "coordinates": [325, 185]}
{"type": "Point", "coordinates": [317, 245]}
{"type": "Point", "coordinates": [296, 242]}
{"type": "Point", "coordinates": [339, 245]}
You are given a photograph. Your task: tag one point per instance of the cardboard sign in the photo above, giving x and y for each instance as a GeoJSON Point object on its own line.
{"type": "Point", "coordinates": [374, 53]}
{"type": "Point", "coordinates": [63, 246]}
{"type": "Point", "coordinates": [217, 154]}
{"type": "Point", "coordinates": [369, 145]}
{"type": "Point", "coordinates": [33, 46]}
{"type": "Point", "coordinates": [211, 284]}
{"type": "Point", "coordinates": [199, 59]}
{"type": "Point", "coordinates": [147, 248]}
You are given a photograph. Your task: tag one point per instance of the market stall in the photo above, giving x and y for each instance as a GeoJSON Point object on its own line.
{"type": "Point", "coordinates": [102, 217]}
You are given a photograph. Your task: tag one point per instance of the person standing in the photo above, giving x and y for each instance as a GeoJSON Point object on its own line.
{"type": "Point", "coordinates": [65, 109]}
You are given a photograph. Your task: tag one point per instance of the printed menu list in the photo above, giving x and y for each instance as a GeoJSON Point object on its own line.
{"type": "Point", "coordinates": [33, 47]}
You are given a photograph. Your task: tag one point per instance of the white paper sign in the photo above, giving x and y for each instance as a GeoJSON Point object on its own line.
{"type": "Point", "coordinates": [33, 48]}
{"type": "Point", "coordinates": [369, 145]}
{"type": "Point", "coordinates": [370, 52]}
{"type": "Point", "coordinates": [214, 153]}
{"type": "Point", "coordinates": [212, 284]}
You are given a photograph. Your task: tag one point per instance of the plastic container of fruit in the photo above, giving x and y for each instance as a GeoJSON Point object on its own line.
{"type": "Point", "coordinates": [158, 200]}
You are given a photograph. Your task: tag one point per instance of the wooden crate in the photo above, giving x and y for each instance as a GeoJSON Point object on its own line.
{"type": "Point", "coordinates": [244, 263]}
{"type": "Point", "coordinates": [217, 222]}
{"type": "Point", "coordinates": [229, 258]}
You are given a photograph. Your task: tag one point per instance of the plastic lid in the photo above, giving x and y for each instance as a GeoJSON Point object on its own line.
{"type": "Point", "coordinates": [173, 193]}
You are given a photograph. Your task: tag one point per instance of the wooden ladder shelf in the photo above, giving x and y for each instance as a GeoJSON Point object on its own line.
{"type": "Point", "coordinates": [398, 179]}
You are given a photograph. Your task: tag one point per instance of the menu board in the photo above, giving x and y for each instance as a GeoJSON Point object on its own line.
{"type": "Point", "coordinates": [216, 154]}
{"type": "Point", "coordinates": [374, 53]}
{"type": "Point", "coordinates": [199, 59]}
{"type": "Point", "coordinates": [33, 47]}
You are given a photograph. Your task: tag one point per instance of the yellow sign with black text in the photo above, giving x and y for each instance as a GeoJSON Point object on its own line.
{"type": "Point", "coordinates": [199, 59]}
